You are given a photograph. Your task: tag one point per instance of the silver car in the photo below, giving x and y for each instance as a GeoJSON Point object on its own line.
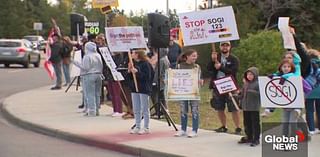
{"type": "Point", "coordinates": [18, 51]}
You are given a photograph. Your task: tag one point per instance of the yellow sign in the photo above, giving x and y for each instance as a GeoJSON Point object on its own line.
{"type": "Point", "coordinates": [103, 3]}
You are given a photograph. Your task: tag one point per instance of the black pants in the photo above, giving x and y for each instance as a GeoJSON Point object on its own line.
{"type": "Point", "coordinates": [251, 120]}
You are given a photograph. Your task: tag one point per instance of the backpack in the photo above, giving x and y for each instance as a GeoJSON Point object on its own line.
{"type": "Point", "coordinates": [314, 77]}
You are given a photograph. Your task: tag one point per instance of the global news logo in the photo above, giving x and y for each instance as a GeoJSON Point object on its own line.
{"type": "Point", "coordinates": [285, 143]}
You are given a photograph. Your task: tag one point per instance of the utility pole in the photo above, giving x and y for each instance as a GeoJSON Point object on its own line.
{"type": "Point", "coordinates": [167, 7]}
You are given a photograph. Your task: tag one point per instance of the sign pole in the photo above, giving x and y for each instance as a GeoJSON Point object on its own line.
{"type": "Point", "coordinates": [133, 74]}
{"type": "Point", "coordinates": [234, 101]}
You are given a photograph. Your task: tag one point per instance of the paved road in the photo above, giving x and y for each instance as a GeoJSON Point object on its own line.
{"type": "Point", "coordinates": [17, 142]}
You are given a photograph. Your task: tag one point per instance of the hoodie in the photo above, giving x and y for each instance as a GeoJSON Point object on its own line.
{"type": "Point", "coordinates": [91, 62]}
{"type": "Point", "coordinates": [250, 96]}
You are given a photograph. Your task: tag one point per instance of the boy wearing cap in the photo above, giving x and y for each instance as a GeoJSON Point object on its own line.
{"type": "Point", "coordinates": [223, 64]}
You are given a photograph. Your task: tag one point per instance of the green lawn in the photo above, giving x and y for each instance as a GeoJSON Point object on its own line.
{"type": "Point", "coordinates": [208, 116]}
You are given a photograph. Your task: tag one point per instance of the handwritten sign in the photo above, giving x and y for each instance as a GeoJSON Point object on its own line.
{"type": "Point", "coordinates": [275, 95]}
{"type": "Point", "coordinates": [183, 84]}
{"type": "Point", "coordinates": [225, 85]}
{"type": "Point", "coordinates": [288, 40]}
{"type": "Point", "coordinates": [103, 3]}
{"type": "Point", "coordinates": [208, 26]}
{"type": "Point", "coordinates": [122, 39]}
{"type": "Point", "coordinates": [106, 56]}
{"type": "Point", "coordinates": [74, 70]}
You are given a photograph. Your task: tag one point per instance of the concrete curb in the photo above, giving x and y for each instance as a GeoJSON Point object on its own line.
{"type": "Point", "coordinates": [136, 151]}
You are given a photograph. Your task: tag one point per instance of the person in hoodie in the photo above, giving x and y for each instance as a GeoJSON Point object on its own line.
{"type": "Point", "coordinates": [250, 101]}
{"type": "Point", "coordinates": [164, 64]}
{"type": "Point", "coordinates": [91, 67]}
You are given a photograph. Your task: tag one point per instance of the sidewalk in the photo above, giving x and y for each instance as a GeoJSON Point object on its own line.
{"type": "Point", "coordinates": [55, 113]}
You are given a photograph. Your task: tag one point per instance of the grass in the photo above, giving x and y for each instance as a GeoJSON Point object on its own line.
{"type": "Point", "coordinates": [208, 116]}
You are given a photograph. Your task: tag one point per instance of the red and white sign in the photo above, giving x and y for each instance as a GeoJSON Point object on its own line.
{"type": "Point", "coordinates": [225, 85]}
{"type": "Point", "coordinates": [276, 95]}
{"type": "Point", "coordinates": [208, 26]}
{"type": "Point", "coordinates": [122, 39]}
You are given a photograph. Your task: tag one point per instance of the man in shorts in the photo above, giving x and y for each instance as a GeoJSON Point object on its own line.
{"type": "Point", "coordinates": [221, 65]}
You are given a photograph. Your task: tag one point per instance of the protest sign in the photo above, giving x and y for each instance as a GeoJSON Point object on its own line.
{"type": "Point", "coordinates": [183, 84]}
{"type": "Point", "coordinates": [288, 40]}
{"type": "Point", "coordinates": [208, 26]}
{"type": "Point", "coordinates": [122, 39]}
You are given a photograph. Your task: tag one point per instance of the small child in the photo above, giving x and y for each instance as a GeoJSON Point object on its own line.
{"type": "Point", "coordinates": [250, 101]}
{"type": "Point", "coordinates": [187, 61]}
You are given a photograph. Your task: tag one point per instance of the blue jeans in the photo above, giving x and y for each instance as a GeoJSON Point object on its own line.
{"type": "Point", "coordinates": [93, 85]}
{"type": "Point", "coordinates": [57, 71]}
{"type": "Point", "coordinates": [289, 120]}
{"type": "Point", "coordinates": [140, 104]}
{"type": "Point", "coordinates": [66, 72]}
{"type": "Point", "coordinates": [312, 104]}
{"type": "Point", "coordinates": [184, 106]}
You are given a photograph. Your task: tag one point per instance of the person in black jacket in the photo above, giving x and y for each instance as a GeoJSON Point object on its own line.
{"type": "Point", "coordinates": [221, 65]}
{"type": "Point", "coordinates": [144, 74]}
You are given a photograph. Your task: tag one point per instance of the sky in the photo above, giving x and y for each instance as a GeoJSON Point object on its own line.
{"type": "Point", "coordinates": [152, 5]}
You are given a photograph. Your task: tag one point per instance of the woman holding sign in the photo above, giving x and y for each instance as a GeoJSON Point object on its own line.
{"type": "Point", "coordinates": [144, 73]}
{"type": "Point", "coordinates": [187, 61]}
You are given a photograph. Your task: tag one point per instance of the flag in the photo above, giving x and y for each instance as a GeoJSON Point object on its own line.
{"type": "Point", "coordinates": [47, 64]}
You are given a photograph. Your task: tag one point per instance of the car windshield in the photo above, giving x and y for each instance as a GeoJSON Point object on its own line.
{"type": "Point", "coordinates": [30, 38]}
{"type": "Point", "coordinates": [9, 44]}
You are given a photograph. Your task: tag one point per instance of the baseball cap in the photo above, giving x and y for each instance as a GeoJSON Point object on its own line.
{"type": "Point", "coordinates": [225, 42]}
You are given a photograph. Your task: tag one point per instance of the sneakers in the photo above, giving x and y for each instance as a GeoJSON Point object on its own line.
{"type": "Point", "coordinates": [221, 129]}
{"type": "Point", "coordinates": [244, 140]}
{"type": "Point", "coordinates": [55, 88]}
{"type": "Point", "coordinates": [134, 131]}
{"type": "Point", "coordinates": [116, 114]}
{"type": "Point", "coordinates": [238, 131]}
{"type": "Point", "coordinates": [180, 133]}
{"type": "Point", "coordinates": [81, 106]}
{"type": "Point", "coordinates": [255, 143]}
{"type": "Point", "coordinates": [266, 113]}
{"type": "Point", "coordinates": [192, 134]}
{"type": "Point", "coordinates": [144, 131]}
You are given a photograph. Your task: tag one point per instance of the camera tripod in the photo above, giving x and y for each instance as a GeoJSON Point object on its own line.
{"type": "Point", "coordinates": [74, 79]}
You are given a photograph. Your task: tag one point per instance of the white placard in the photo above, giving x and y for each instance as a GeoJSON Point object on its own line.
{"type": "Point", "coordinates": [37, 26]}
{"type": "Point", "coordinates": [275, 95]}
{"type": "Point", "coordinates": [225, 85]}
{"type": "Point", "coordinates": [106, 56]}
{"type": "Point", "coordinates": [208, 26]}
{"type": "Point", "coordinates": [75, 71]}
{"type": "Point", "coordinates": [183, 84]}
{"type": "Point", "coordinates": [288, 40]}
{"type": "Point", "coordinates": [122, 39]}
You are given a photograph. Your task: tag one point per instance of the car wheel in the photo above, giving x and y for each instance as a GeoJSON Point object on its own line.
{"type": "Point", "coordinates": [7, 65]}
{"type": "Point", "coordinates": [37, 63]}
{"type": "Point", "coordinates": [26, 64]}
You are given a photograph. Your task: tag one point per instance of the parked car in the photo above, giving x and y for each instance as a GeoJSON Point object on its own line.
{"type": "Point", "coordinates": [37, 41]}
{"type": "Point", "coordinates": [18, 51]}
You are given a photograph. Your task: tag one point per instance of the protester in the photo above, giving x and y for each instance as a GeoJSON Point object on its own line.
{"type": "Point", "coordinates": [92, 67]}
{"type": "Point", "coordinates": [55, 59]}
{"type": "Point", "coordinates": [221, 65]}
{"type": "Point", "coordinates": [174, 52]}
{"type": "Point", "coordinates": [140, 97]}
{"type": "Point", "coordinates": [164, 65]}
{"type": "Point", "coordinates": [188, 59]}
{"type": "Point", "coordinates": [250, 102]}
{"type": "Point", "coordinates": [313, 99]}
{"type": "Point", "coordinates": [67, 48]}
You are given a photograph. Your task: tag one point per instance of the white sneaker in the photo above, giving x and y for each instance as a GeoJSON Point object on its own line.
{"type": "Point", "coordinates": [134, 131]}
{"type": "Point", "coordinates": [266, 113]}
{"type": "Point", "coordinates": [144, 131]}
{"type": "Point", "coordinates": [192, 134]}
{"type": "Point", "coordinates": [180, 133]}
{"type": "Point", "coordinates": [312, 132]}
{"type": "Point", "coordinates": [117, 114]}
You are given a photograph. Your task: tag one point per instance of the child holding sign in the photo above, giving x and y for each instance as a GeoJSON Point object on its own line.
{"type": "Point", "coordinates": [187, 61]}
{"type": "Point", "coordinates": [250, 101]}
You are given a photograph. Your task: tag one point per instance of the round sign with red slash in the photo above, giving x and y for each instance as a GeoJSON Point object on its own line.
{"type": "Point", "coordinates": [281, 95]}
